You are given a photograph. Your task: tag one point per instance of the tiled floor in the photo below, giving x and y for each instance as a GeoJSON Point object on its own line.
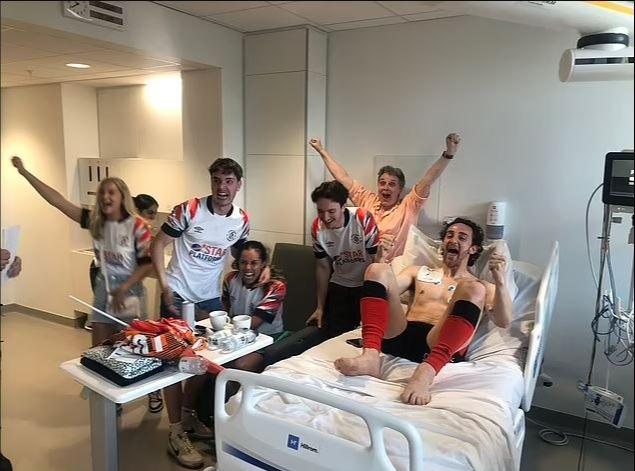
{"type": "Point", "coordinates": [541, 456]}
{"type": "Point", "coordinates": [45, 422]}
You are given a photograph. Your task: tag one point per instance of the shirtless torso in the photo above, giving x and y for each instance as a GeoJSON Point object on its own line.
{"type": "Point", "coordinates": [430, 298]}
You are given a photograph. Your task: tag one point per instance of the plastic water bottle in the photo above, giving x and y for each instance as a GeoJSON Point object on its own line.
{"type": "Point", "coordinates": [187, 314]}
{"type": "Point", "coordinates": [238, 340]}
{"type": "Point", "coordinates": [193, 365]}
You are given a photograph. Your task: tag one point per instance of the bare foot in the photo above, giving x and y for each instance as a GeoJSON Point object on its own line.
{"type": "Point", "coordinates": [365, 364]}
{"type": "Point", "coordinates": [417, 392]}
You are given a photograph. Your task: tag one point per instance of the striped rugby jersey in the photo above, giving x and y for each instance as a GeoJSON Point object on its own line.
{"type": "Point", "coordinates": [202, 242]}
{"type": "Point", "coordinates": [126, 244]}
{"type": "Point", "coordinates": [350, 247]}
{"type": "Point", "coordinates": [262, 301]}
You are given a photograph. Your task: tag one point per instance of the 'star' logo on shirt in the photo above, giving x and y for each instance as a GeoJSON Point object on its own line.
{"type": "Point", "coordinates": [206, 252]}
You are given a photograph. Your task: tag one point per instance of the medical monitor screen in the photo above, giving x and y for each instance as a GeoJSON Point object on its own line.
{"type": "Point", "coordinates": [619, 179]}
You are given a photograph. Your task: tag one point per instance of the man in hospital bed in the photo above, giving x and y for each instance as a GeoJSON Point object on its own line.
{"type": "Point", "coordinates": [446, 307]}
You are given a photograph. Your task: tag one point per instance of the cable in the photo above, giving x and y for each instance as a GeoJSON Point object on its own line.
{"type": "Point", "coordinates": [564, 437]}
{"type": "Point", "coordinates": [588, 244]}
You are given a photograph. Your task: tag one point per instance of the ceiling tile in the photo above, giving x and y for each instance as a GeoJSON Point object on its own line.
{"type": "Point", "coordinates": [325, 13]}
{"type": "Point", "coordinates": [13, 53]}
{"type": "Point", "coordinates": [431, 15]}
{"type": "Point", "coordinates": [7, 77]}
{"type": "Point", "coordinates": [123, 59]}
{"type": "Point", "coordinates": [212, 8]}
{"type": "Point", "coordinates": [45, 42]}
{"type": "Point", "coordinates": [259, 18]}
{"type": "Point", "coordinates": [365, 23]}
{"type": "Point", "coordinates": [56, 66]}
{"type": "Point", "coordinates": [408, 8]}
{"type": "Point", "coordinates": [29, 71]}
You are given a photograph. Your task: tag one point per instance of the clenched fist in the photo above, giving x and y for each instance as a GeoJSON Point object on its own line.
{"type": "Point", "coordinates": [497, 264]}
{"type": "Point", "coordinates": [316, 144]}
{"type": "Point", "coordinates": [452, 143]}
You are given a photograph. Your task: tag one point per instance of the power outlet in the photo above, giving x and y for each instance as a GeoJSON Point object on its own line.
{"type": "Point", "coordinates": [606, 404]}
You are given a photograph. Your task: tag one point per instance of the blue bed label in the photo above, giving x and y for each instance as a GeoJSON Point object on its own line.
{"type": "Point", "coordinates": [294, 443]}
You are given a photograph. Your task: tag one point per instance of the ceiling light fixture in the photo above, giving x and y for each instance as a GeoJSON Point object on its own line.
{"type": "Point", "coordinates": [78, 66]}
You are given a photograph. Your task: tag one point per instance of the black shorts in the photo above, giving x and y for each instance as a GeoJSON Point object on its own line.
{"type": "Point", "coordinates": [412, 343]}
{"type": "Point", "coordinates": [342, 310]}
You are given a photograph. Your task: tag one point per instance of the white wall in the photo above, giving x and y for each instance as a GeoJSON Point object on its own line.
{"type": "Point", "coordinates": [285, 100]}
{"type": "Point", "coordinates": [527, 139]}
{"type": "Point", "coordinates": [203, 129]}
{"type": "Point", "coordinates": [81, 139]}
{"type": "Point", "coordinates": [142, 121]}
{"type": "Point", "coordinates": [32, 128]}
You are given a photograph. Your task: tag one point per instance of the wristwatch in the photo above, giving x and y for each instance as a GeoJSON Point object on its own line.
{"type": "Point", "coordinates": [445, 155]}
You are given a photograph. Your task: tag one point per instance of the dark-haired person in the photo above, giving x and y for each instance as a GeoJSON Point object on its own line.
{"type": "Point", "coordinates": [440, 323]}
{"type": "Point", "coordinates": [147, 206]}
{"type": "Point", "coordinates": [345, 242]}
{"type": "Point", "coordinates": [394, 215]}
{"type": "Point", "coordinates": [243, 295]}
{"type": "Point", "coordinates": [204, 231]}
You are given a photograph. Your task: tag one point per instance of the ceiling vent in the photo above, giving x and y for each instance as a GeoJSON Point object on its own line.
{"type": "Point", "coordinates": [108, 14]}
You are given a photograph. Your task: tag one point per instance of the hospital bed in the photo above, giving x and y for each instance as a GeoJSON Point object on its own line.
{"type": "Point", "coordinates": [302, 415]}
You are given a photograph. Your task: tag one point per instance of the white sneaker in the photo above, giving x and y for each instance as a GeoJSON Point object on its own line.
{"type": "Point", "coordinates": [180, 447]}
{"type": "Point", "coordinates": [194, 427]}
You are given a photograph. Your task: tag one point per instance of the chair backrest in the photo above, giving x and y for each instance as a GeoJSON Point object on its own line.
{"type": "Point", "coordinates": [297, 264]}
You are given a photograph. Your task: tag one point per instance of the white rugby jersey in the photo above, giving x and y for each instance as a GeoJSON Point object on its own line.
{"type": "Point", "coordinates": [202, 242]}
{"type": "Point", "coordinates": [125, 243]}
{"type": "Point", "coordinates": [261, 301]}
{"type": "Point", "coordinates": [350, 247]}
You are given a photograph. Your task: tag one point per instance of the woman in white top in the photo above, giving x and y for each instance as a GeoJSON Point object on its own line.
{"type": "Point", "coordinates": [120, 238]}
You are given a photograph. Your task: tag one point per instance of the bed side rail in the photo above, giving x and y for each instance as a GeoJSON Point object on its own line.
{"type": "Point", "coordinates": [251, 439]}
{"type": "Point", "coordinates": [544, 309]}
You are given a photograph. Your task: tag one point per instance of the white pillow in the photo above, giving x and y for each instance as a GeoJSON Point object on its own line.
{"type": "Point", "coordinates": [423, 250]}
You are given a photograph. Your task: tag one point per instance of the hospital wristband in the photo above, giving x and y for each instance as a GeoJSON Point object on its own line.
{"type": "Point", "coordinates": [445, 155]}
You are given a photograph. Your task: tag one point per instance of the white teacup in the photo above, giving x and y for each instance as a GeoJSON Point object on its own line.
{"type": "Point", "coordinates": [218, 319]}
{"type": "Point", "coordinates": [241, 322]}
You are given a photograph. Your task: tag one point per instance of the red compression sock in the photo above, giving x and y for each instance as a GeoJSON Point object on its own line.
{"type": "Point", "coordinates": [456, 331]}
{"type": "Point", "coordinates": [374, 310]}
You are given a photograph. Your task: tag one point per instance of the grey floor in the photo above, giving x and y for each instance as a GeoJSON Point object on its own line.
{"type": "Point", "coordinates": [45, 423]}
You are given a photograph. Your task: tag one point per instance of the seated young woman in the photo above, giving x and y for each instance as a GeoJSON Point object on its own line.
{"type": "Point", "coordinates": [243, 295]}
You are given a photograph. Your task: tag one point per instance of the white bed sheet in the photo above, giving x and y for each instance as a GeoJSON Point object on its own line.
{"type": "Point", "coordinates": [468, 425]}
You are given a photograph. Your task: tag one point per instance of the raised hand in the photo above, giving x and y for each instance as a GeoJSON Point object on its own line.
{"type": "Point", "coordinates": [316, 144]}
{"type": "Point", "coordinates": [497, 264]}
{"type": "Point", "coordinates": [15, 268]}
{"type": "Point", "coordinates": [452, 143]}
{"type": "Point", "coordinates": [6, 256]}
{"type": "Point", "coordinates": [17, 163]}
